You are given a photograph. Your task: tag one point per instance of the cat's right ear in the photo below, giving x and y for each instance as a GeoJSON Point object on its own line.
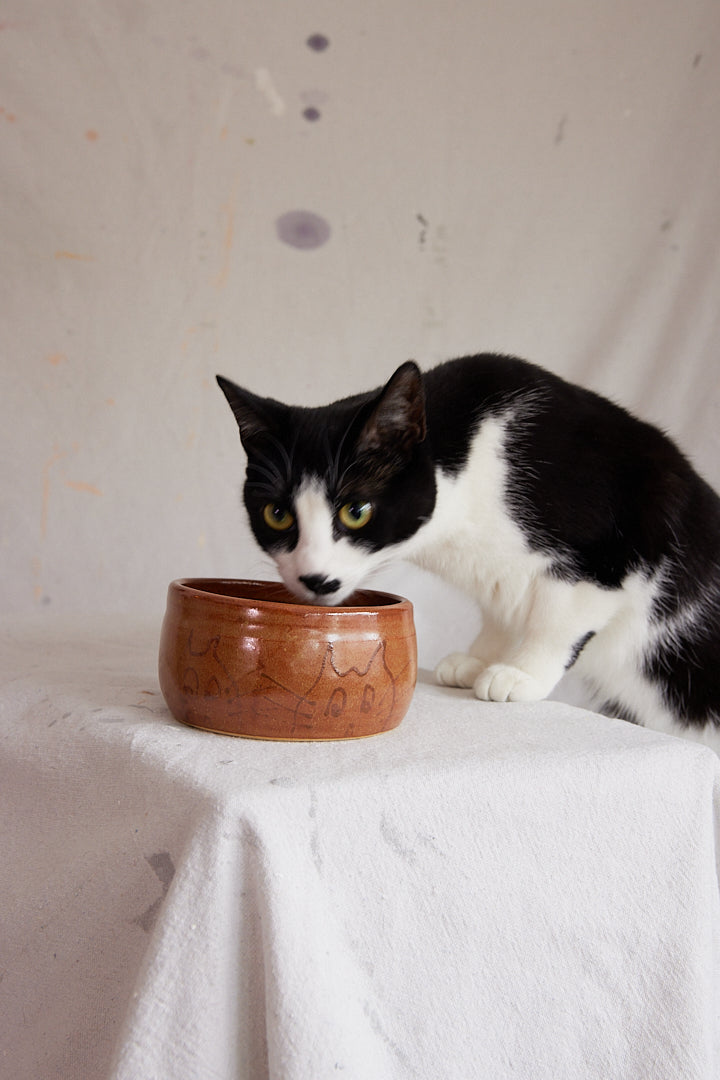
{"type": "Point", "coordinates": [250, 411]}
{"type": "Point", "coordinates": [396, 420]}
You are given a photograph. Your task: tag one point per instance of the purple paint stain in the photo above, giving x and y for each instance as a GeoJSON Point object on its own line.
{"type": "Point", "coordinates": [317, 42]}
{"type": "Point", "coordinates": [302, 229]}
{"type": "Point", "coordinates": [311, 113]}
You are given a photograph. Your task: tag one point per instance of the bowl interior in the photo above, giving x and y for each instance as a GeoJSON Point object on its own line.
{"type": "Point", "coordinates": [274, 592]}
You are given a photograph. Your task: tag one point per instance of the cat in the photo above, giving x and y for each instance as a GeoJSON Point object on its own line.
{"type": "Point", "coordinates": [583, 533]}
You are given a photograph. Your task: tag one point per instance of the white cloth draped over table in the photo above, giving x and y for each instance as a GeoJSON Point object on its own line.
{"type": "Point", "coordinates": [489, 891]}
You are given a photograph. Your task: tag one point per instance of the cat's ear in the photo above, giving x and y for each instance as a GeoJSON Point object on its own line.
{"type": "Point", "coordinates": [253, 413]}
{"type": "Point", "coordinates": [397, 416]}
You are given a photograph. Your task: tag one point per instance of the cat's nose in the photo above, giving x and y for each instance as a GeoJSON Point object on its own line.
{"type": "Point", "coordinates": [319, 583]}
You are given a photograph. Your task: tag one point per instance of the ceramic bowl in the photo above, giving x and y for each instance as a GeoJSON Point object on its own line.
{"type": "Point", "coordinates": [245, 658]}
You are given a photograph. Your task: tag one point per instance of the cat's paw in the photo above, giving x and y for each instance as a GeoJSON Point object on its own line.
{"type": "Point", "coordinates": [503, 682]}
{"type": "Point", "coordinates": [458, 669]}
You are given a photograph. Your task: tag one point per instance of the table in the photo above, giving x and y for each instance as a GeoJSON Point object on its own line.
{"type": "Point", "coordinates": [490, 891]}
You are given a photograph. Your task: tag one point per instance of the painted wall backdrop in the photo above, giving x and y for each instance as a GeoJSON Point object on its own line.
{"type": "Point", "coordinates": [301, 196]}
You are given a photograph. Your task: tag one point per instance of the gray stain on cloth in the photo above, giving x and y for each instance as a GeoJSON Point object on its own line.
{"type": "Point", "coordinates": [164, 870]}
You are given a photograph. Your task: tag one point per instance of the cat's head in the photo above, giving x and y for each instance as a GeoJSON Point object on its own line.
{"type": "Point", "coordinates": [333, 492]}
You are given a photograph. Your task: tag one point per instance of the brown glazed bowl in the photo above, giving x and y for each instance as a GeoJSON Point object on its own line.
{"type": "Point", "coordinates": [246, 658]}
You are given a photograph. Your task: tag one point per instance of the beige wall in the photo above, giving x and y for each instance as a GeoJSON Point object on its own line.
{"type": "Point", "coordinates": [521, 176]}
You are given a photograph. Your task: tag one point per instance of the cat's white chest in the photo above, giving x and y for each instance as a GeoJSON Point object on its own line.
{"type": "Point", "coordinates": [471, 539]}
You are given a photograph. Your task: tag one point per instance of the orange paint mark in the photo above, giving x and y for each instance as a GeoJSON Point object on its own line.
{"type": "Point", "coordinates": [229, 210]}
{"type": "Point", "coordinates": [36, 566]}
{"type": "Point", "coordinates": [10, 117]}
{"type": "Point", "coordinates": [79, 485]}
{"type": "Point", "coordinates": [109, 400]}
{"type": "Point", "coordinates": [224, 132]}
{"type": "Point", "coordinates": [46, 491]}
{"type": "Point", "coordinates": [189, 334]}
{"type": "Point", "coordinates": [91, 135]}
{"type": "Point", "coordinates": [57, 358]}
{"type": "Point", "coordinates": [74, 256]}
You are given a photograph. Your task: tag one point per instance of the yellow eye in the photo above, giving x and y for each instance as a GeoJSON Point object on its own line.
{"type": "Point", "coordinates": [355, 515]}
{"type": "Point", "coordinates": [278, 517]}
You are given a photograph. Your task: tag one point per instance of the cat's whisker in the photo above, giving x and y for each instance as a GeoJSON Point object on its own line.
{"type": "Point", "coordinates": [286, 458]}
{"type": "Point", "coordinates": [267, 468]}
{"type": "Point", "coordinates": [272, 476]}
{"type": "Point", "coordinates": [334, 460]}
{"type": "Point", "coordinates": [266, 465]}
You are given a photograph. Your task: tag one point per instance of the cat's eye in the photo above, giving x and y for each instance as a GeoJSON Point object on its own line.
{"type": "Point", "coordinates": [355, 515]}
{"type": "Point", "coordinates": [278, 517]}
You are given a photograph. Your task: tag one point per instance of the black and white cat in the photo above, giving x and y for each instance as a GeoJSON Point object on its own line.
{"type": "Point", "coordinates": [584, 534]}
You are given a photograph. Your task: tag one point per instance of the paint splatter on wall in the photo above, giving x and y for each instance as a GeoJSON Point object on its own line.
{"type": "Point", "coordinates": [317, 42]}
{"type": "Point", "coordinates": [302, 229]}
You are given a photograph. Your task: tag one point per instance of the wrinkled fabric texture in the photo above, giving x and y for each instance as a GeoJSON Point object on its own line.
{"type": "Point", "coordinates": [488, 891]}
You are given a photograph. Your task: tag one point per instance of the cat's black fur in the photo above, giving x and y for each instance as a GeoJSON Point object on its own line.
{"type": "Point", "coordinates": [603, 495]}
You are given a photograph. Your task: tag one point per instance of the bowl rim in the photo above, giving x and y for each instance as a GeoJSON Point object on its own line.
{"type": "Point", "coordinates": [195, 586]}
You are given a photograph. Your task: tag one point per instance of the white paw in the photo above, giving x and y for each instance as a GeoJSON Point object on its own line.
{"type": "Point", "coordinates": [458, 669]}
{"type": "Point", "coordinates": [502, 682]}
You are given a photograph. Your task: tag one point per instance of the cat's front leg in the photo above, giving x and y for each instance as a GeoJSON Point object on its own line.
{"type": "Point", "coordinates": [506, 682]}
{"type": "Point", "coordinates": [558, 619]}
{"type": "Point", "coordinates": [494, 681]}
{"type": "Point", "coordinates": [541, 642]}
{"type": "Point", "coordinates": [459, 669]}
{"type": "Point", "coordinates": [464, 669]}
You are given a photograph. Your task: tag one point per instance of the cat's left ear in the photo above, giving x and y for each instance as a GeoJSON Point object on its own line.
{"type": "Point", "coordinates": [397, 416]}
{"type": "Point", "coordinates": [255, 415]}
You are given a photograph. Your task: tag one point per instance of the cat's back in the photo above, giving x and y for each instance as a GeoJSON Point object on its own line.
{"type": "Point", "coordinates": [583, 477]}
{"type": "Point", "coordinates": [550, 418]}
{"type": "Point", "coordinates": [461, 393]}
